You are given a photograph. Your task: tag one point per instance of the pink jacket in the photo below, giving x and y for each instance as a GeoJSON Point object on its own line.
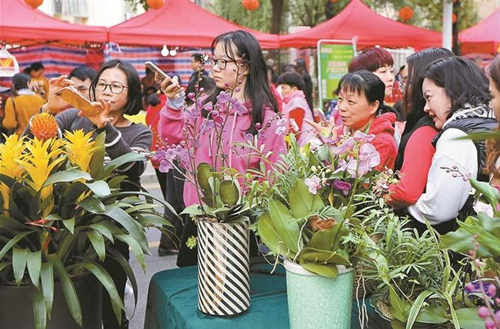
{"type": "Point", "coordinates": [297, 101]}
{"type": "Point", "coordinates": [240, 158]}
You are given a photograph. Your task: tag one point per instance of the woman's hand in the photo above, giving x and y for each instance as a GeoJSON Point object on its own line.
{"type": "Point", "coordinates": [328, 130]}
{"type": "Point", "coordinates": [55, 103]}
{"type": "Point", "coordinates": [170, 87]}
{"type": "Point", "coordinates": [102, 117]}
{"type": "Point", "coordinates": [394, 203]}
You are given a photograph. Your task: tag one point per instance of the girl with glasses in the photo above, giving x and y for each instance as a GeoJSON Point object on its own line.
{"type": "Point", "coordinates": [239, 68]}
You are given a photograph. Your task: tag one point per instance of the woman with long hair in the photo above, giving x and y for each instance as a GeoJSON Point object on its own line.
{"type": "Point", "coordinates": [456, 100]}
{"type": "Point", "coordinates": [239, 69]}
{"type": "Point", "coordinates": [415, 149]}
{"type": "Point", "coordinates": [493, 145]}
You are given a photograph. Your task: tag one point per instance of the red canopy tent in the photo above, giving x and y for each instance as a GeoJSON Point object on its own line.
{"type": "Point", "coordinates": [20, 24]}
{"type": "Point", "coordinates": [483, 37]}
{"type": "Point", "coordinates": [356, 19]}
{"type": "Point", "coordinates": [179, 23]}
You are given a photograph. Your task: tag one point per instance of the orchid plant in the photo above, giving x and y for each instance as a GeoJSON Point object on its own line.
{"type": "Point", "coordinates": [217, 183]}
{"type": "Point", "coordinates": [311, 199]}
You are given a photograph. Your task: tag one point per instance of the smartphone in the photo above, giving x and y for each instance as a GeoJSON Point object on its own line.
{"type": "Point", "coordinates": [73, 97]}
{"type": "Point", "coordinates": [158, 72]}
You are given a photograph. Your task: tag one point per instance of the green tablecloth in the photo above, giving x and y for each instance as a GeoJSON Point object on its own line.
{"type": "Point", "coordinates": [173, 299]}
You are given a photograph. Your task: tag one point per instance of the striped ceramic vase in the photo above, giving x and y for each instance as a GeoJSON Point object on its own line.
{"type": "Point", "coordinates": [223, 268]}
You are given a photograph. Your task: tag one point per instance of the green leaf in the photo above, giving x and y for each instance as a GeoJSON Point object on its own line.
{"type": "Point", "coordinates": [203, 173]}
{"type": "Point", "coordinates": [285, 225]}
{"type": "Point", "coordinates": [229, 193]}
{"type": "Point", "coordinates": [65, 246]}
{"type": "Point", "coordinates": [104, 229]}
{"type": "Point", "coordinates": [125, 220]}
{"type": "Point", "coordinates": [469, 319]}
{"type": "Point", "coordinates": [490, 193]}
{"type": "Point", "coordinates": [100, 188]}
{"type": "Point", "coordinates": [300, 200]}
{"type": "Point", "coordinates": [107, 282]}
{"type": "Point", "coordinates": [121, 160]}
{"type": "Point", "coordinates": [433, 315]}
{"type": "Point", "coordinates": [19, 258]}
{"type": "Point", "coordinates": [68, 288]}
{"type": "Point", "coordinates": [97, 161]}
{"type": "Point", "coordinates": [328, 239]}
{"type": "Point", "coordinates": [399, 308]}
{"type": "Point", "coordinates": [416, 307]}
{"type": "Point", "coordinates": [128, 270]}
{"type": "Point", "coordinates": [34, 262]}
{"type": "Point", "coordinates": [93, 205]}
{"type": "Point", "coordinates": [150, 220]}
{"type": "Point", "coordinates": [270, 236]}
{"type": "Point", "coordinates": [47, 278]}
{"type": "Point", "coordinates": [69, 175]}
{"type": "Point", "coordinates": [312, 255]}
{"type": "Point", "coordinates": [193, 211]}
{"type": "Point", "coordinates": [480, 136]}
{"type": "Point", "coordinates": [39, 311]}
{"type": "Point", "coordinates": [135, 247]}
{"type": "Point", "coordinates": [329, 271]}
{"type": "Point", "coordinates": [12, 242]}
{"type": "Point", "coordinates": [97, 241]}
{"type": "Point", "coordinates": [70, 224]}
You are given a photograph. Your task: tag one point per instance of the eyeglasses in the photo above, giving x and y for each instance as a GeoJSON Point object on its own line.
{"type": "Point", "coordinates": [115, 87]}
{"type": "Point", "coordinates": [221, 63]}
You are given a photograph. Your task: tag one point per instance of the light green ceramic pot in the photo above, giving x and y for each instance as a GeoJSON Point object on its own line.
{"type": "Point", "coordinates": [316, 302]}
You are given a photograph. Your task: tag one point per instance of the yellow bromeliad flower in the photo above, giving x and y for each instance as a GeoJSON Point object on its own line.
{"type": "Point", "coordinates": [80, 148]}
{"type": "Point", "coordinates": [10, 152]}
{"type": "Point", "coordinates": [40, 160]}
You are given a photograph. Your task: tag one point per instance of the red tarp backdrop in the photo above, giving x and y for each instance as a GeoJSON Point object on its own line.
{"type": "Point", "coordinates": [356, 19]}
{"type": "Point", "coordinates": [19, 24]}
{"type": "Point", "coordinates": [483, 37]}
{"type": "Point", "coordinates": [179, 23]}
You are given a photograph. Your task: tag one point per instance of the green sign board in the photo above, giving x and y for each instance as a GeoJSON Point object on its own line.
{"type": "Point", "coordinates": [333, 63]}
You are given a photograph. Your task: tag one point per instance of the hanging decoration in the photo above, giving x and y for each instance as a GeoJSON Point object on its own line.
{"type": "Point", "coordinates": [405, 13]}
{"type": "Point", "coordinates": [34, 3]}
{"type": "Point", "coordinates": [155, 4]}
{"type": "Point", "coordinates": [250, 4]}
{"type": "Point", "coordinates": [334, 1]}
{"type": "Point", "coordinates": [454, 18]}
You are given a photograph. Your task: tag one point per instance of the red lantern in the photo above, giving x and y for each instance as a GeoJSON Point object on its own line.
{"type": "Point", "coordinates": [250, 4]}
{"type": "Point", "coordinates": [453, 18]}
{"type": "Point", "coordinates": [405, 13]}
{"type": "Point", "coordinates": [155, 4]}
{"type": "Point", "coordinates": [34, 3]}
{"type": "Point", "coordinates": [334, 1]}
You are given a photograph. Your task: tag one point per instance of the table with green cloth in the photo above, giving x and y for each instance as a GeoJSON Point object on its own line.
{"type": "Point", "coordinates": [173, 302]}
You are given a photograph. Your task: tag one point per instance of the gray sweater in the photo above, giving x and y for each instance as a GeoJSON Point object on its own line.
{"type": "Point", "coordinates": [119, 140]}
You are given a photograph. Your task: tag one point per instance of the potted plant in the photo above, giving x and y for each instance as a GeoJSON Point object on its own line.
{"type": "Point", "coordinates": [310, 222]}
{"type": "Point", "coordinates": [62, 210]}
{"type": "Point", "coordinates": [220, 211]}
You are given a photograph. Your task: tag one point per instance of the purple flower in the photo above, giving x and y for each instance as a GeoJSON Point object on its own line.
{"type": "Point", "coordinates": [342, 186]}
{"type": "Point", "coordinates": [343, 148]}
{"type": "Point", "coordinates": [369, 157]}
{"type": "Point", "coordinates": [223, 98]}
{"type": "Point", "coordinates": [313, 183]}
{"type": "Point", "coordinates": [362, 137]}
{"type": "Point", "coordinates": [281, 127]}
{"type": "Point", "coordinates": [191, 96]}
{"type": "Point", "coordinates": [208, 106]}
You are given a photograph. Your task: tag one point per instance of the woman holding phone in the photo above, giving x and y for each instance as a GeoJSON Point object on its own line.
{"type": "Point", "coordinates": [117, 89]}
{"type": "Point", "coordinates": [238, 68]}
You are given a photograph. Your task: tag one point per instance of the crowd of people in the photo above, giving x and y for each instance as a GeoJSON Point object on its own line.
{"type": "Point", "coordinates": [443, 97]}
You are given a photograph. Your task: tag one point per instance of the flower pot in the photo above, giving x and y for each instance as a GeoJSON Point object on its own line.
{"type": "Point", "coordinates": [317, 302]}
{"type": "Point", "coordinates": [16, 311]}
{"type": "Point", "coordinates": [223, 268]}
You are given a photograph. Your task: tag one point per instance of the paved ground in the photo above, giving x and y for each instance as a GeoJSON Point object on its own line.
{"type": "Point", "coordinates": [154, 263]}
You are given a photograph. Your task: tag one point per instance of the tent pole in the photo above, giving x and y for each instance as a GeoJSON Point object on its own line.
{"type": "Point", "coordinates": [447, 24]}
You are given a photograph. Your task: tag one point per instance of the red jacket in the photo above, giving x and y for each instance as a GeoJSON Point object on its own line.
{"type": "Point", "coordinates": [383, 129]}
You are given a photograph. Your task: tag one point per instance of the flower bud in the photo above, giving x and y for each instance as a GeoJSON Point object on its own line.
{"type": "Point", "coordinates": [483, 312]}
